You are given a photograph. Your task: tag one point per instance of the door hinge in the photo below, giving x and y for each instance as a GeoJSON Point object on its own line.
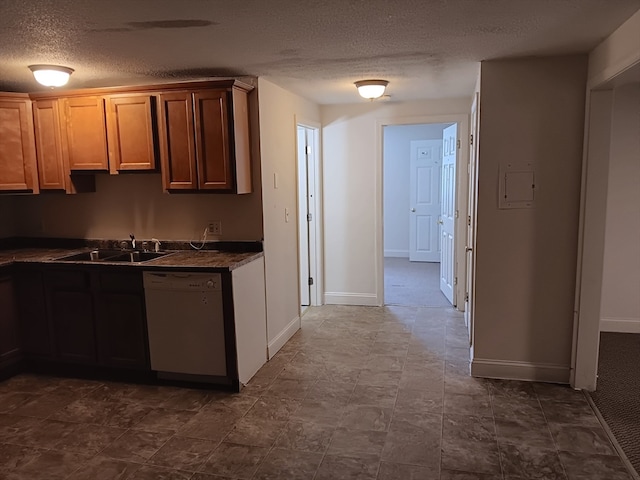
{"type": "Point", "coordinates": [455, 280]}
{"type": "Point", "coordinates": [309, 217]}
{"type": "Point", "coordinates": [307, 149]}
{"type": "Point", "coordinates": [466, 297]}
{"type": "Point", "coordinates": [458, 143]}
{"type": "Point", "coordinates": [310, 280]}
{"type": "Point", "coordinates": [469, 221]}
{"type": "Point", "coordinates": [457, 213]}
{"type": "Point", "coordinates": [471, 139]}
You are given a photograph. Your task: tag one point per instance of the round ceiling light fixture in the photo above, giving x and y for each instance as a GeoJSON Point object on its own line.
{"type": "Point", "coordinates": [371, 89]}
{"type": "Point", "coordinates": [51, 75]}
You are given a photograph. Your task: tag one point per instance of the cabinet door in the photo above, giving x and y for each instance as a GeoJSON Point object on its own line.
{"type": "Point", "coordinates": [215, 171]}
{"type": "Point", "coordinates": [9, 340]}
{"type": "Point", "coordinates": [51, 170]}
{"type": "Point", "coordinates": [18, 169]}
{"type": "Point", "coordinates": [130, 124]}
{"type": "Point", "coordinates": [34, 324]}
{"type": "Point", "coordinates": [71, 309]}
{"type": "Point", "coordinates": [177, 146]}
{"type": "Point", "coordinates": [86, 135]}
{"type": "Point", "coordinates": [122, 336]}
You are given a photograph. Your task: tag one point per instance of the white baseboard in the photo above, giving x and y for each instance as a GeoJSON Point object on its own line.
{"type": "Point", "coordinates": [396, 253]}
{"type": "Point", "coordinates": [283, 337]}
{"type": "Point", "coordinates": [509, 370]}
{"type": "Point", "coordinates": [620, 325]}
{"type": "Point", "coordinates": [341, 298]}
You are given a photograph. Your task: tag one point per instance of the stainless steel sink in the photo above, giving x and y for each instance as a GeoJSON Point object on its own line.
{"type": "Point", "coordinates": [92, 256]}
{"type": "Point", "coordinates": [106, 255]}
{"type": "Point", "coordinates": [134, 257]}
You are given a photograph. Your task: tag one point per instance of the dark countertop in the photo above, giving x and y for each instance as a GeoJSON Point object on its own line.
{"type": "Point", "coordinates": [198, 259]}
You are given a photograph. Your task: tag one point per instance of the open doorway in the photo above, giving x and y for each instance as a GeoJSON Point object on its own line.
{"type": "Point", "coordinates": [419, 197]}
{"type": "Point", "coordinates": [308, 206]}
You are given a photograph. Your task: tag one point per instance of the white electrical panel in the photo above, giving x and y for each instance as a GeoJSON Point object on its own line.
{"type": "Point", "coordinates": [516, 186]}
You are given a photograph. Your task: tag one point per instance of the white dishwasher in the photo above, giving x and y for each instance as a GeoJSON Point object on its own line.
{"type": "Point", "coordinates": [186, 325]}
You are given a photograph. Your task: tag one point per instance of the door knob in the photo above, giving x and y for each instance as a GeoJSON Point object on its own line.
{"type": "Point", "coordinates": [440, 222]}
{"type": "Point", "coordinates": [413, 209]}
{"type": "Point", "coordinates": [468, 249]}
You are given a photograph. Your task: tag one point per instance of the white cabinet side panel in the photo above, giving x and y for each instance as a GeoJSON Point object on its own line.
{"type": "Point", "coordinates": [250, 318]}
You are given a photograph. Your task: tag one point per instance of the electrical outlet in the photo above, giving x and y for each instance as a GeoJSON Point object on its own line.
{"type": "Point", "coordinates": [215, 228]}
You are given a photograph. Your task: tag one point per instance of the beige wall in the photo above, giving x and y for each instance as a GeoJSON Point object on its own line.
{"type": "Point", "coordinates": [124, 204]}
{"type": "Point", "coordinates": [279, 111]}
{"type": "Point", "coordinates": [352, 170]}
{"type": "Point", "coordinates": [620, 308]}
{"type": "Point", "coordinates": [531, 110]}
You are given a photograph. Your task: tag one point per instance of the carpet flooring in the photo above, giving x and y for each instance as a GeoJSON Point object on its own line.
{"type": "Point", "coordinates": [617, 396]}
{"type": "Point", "coordinates": [412, 284]}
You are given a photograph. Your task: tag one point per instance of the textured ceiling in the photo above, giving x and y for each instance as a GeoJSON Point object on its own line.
{"type": "Point", "coordinates": [425, 48]}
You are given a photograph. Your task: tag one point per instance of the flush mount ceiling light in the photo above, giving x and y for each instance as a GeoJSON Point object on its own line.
{"type": "Point", "coordinates": [51, 75]}
{"type": "Point", "coordinates": [371, 89]}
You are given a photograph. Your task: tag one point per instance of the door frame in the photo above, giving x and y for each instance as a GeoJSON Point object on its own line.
{"type": "Point", "coordinates": [461, 197]}
{"type": "Point", "coordinates": [591, 228]}
{"type": "Point", "coordinates": [316, 293]}
{"type": "Point", "coordinates": [472, 197]}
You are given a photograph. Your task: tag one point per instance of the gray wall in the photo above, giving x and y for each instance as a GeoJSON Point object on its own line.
{"type": "Point", "coordinates": [531, 110]}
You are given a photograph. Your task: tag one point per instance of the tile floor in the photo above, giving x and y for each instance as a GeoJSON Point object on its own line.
{"type": "Point", "coordinates": [359, 393]}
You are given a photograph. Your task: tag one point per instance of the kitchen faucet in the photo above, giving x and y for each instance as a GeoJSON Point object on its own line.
{"type": "Point", "coordinates": [133, 241]}
{"type": "Point", "coordinates": [157, 244]}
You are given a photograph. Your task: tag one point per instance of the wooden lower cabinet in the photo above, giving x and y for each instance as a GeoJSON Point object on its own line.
{"type": "Point", "coordinates": [121, 321]}
{"type": "Point", "coordinates": [9, 337]}
{"type": "Point", "coordinates": [97, 318]}
{"type": "Point", "coordinates": [70, 305]}
{"type": "Point", "coordinates": [35, 329]}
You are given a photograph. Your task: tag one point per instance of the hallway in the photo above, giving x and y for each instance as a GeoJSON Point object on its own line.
{"type": "Point", "coordinates": [412, 284]}
{"type": "Point", "coordinates": [360, 393]}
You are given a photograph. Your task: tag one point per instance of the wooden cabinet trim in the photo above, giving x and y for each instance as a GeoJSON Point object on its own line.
{"type": "Point", "coordinates": [151, 89]}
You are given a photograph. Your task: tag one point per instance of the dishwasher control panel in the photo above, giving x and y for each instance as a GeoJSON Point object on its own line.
{"type": "Point", "coordinates": [182, 281]}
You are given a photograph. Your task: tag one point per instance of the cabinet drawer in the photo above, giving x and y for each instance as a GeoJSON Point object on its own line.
{"type": "Point", "coordinates": [121, 282]}
{"type": "Point", "coordinates": [68, 279]}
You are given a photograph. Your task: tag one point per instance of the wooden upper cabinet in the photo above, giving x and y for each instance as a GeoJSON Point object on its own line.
{"type": "Point", "coordinates": [177, 143]}
{"type": "Point", "coordinates": [86, 135]}
{"type": "Point", "coordinates": [204, 140]}
{"type": "Point", "coordinates": [131, 132]}
{"type": "Point", "coordinates": [51, 167]}
{"type": "Point", "coordinates": [212, 140]}
{"type": "Point", "coordinates": [18, 171]}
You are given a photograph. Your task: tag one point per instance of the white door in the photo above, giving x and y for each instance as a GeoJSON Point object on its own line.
{"type": "Point", "coordinates": [424, 199]}
{"type": "Point", "coordinates": [303, 219]}
{"type": "Point", "coordinates": [471, 220]}
{"type": "Point", "coordinates": [447, 210]}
